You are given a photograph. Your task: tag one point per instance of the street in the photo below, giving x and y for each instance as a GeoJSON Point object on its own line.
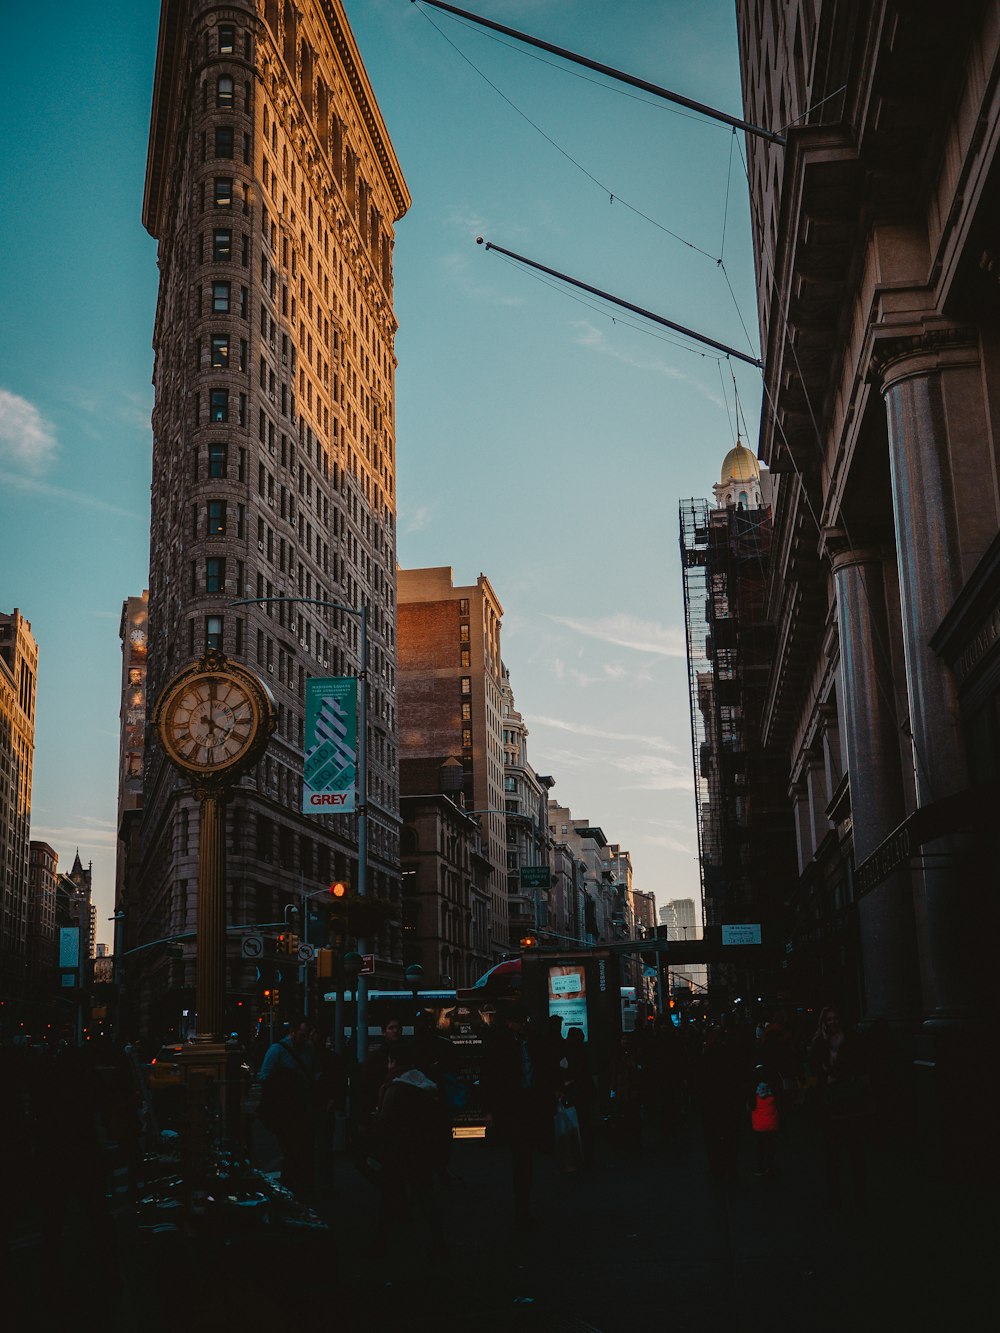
{"type": "Point", "coordinates": [645, 1239]}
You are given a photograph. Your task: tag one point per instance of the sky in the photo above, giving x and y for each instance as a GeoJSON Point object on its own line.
{"type": "Point", "coordinates": [543, 438]}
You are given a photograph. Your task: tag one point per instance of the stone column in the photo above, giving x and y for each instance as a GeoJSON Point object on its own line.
{"type": "Point", "coordinates": [871, 730]}
{"type": "Point", "coordinates": [942, 484]}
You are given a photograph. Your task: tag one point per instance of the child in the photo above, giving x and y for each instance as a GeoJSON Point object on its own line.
{"type": "Point", "coordinates": [764, 1120]}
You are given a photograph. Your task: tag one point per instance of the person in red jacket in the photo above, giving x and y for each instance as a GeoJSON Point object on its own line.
{"type": "Point", "coordinates": [765, 1120]}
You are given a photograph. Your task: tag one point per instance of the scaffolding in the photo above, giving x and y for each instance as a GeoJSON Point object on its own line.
{"type": "Point", "coordinates": [694, 564]}
{"type": "Point", "coordinates": [723, 555]}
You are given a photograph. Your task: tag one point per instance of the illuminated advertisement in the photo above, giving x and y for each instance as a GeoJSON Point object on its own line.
{"type": "Point", "coordinates": [567, 991]}
{"type": "Point", "coordinates": [329, 785]}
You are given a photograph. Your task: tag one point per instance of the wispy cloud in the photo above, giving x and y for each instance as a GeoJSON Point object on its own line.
{"type": "Point", "coordinates": [596, 733]}
{"type": "Point", "coordinates": [27, 441]}
{"type": "Point", "coordinates": [671, 844]}
{"type": "Point", "coordinates": [87, 834]}
{"type": "Point", "coordinates": [653, 772]}
{"type": "Point", "coordinates": [415, 520]}
{"type": "Point", "coordinates": [34, 487]}
{"type": "Point", "coordinates": [589, 335]}
{"type": "Point", "coordinates": [458, 270]}
{"type": "Point", "coordinates": [626, 631]}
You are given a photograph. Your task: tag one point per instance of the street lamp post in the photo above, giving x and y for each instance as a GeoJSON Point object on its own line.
{"type": "Point", "coordinates": [362, 613]}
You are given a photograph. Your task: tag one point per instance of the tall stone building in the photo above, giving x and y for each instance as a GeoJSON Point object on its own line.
{"type": "Point", "coordinates": [526, 797]}
{"type": "Point", "coordinates": [875, 229]}
{"type": "Point", "coordinates": [272, 189]}
{"type": "Point", "coordinates": [41, 932]}
{"type": "Point", "coordinates": [18, 674]}
{"type": "Point", "coordinates": [450, 686]}
{"type": "Point", "coordinates": [133, 631]}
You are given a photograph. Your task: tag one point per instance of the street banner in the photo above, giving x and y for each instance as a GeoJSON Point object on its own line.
{"type": "Point", "coordinates": [329, 784]}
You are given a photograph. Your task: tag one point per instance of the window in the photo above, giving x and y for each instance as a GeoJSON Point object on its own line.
{"type": "Point", "coordinates": [213, 632]}
{"type": "Point", "coordinates": [220, 350]}
{"type": "Point", "coordinates": [216, 460]}
{"type": "Point", "coordinates": [222, 246]}
{"type": "Point", "coordinates": [223, 191]}
{"type": "Point", "coordinates": [223, 141]}
{"type": "Point", "coordinates": [218, 407]}
{"type": "Point", "coordinates": [216, 518]}
{"type": "Point", "coordinates": [467, 712]}
{"type": "Point", "coordinates": [510, 784]}
{"type": "Point", "coordinates": [463, 633]}
{"type": "Point", "coordinates": [215, 574]}
{"type": "Point", "coordinates": [466, 684]}
{"type": "Point", "coordinates": [463, 606]}
{"type": "Point", "coordinates": [466, 738]}
{"type": "Point", "coordinates": [227, 39]}
{"type": "Point", "coordinates": [220, 298]}
{"type": "Point", "coordinates": [224, 98]}
{"type": "Point", "coordinates": [244, 303]}
{"type": "Point", "coordinates": [466, 658]}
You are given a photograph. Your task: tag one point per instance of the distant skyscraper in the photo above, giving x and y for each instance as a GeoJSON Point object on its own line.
{"type": "Point", "coordinates": [18, 673]}
{"type": "Point", "coordinates": [450, 684]}
{"type": "Point", "coordinates": [41, 952]}
{"type": "Point", "coordinates": [272, 188]}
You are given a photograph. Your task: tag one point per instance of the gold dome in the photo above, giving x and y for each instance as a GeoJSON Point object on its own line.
{"type": "Point", "coordinates": [740, 465]}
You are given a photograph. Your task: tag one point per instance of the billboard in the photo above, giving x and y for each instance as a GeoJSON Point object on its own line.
{"type": "Point", "coordinates": [329, 782]}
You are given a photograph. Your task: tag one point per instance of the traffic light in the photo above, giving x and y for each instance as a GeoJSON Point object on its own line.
{"type": "Point", "coordinates": [529, 942]}
{"type": "Point", "coordinates": [324, 962]}
{"type": "Point", "coordinates": [338, 913]}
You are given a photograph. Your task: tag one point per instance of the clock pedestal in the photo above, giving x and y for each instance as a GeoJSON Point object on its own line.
{"type": "Point", "coordinates": [211, 964]}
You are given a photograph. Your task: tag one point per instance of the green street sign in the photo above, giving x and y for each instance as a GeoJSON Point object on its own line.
{"type": "Point", "coordinates": [535, 877]}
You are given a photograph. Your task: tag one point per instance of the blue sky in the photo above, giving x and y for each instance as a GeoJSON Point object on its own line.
{"type": "Point", "coordinates": [539, 440]}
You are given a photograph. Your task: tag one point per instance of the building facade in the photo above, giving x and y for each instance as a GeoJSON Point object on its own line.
{"type": "Point", "coordinates": [18, 676]}
{"type": "Point", "coordinates": [41, 953]}
{"type": "Point", "coordinates": [879, 306]}
{"type": "Point", "coordinates": [450, 704]}
{"type": "Point", "coordinates": [525, 800]}
{"type": "Point", "coordinates": [745, 828]}
{"type": "Point", "coordinates": [272, 189]}
{"type": "Point", "coordinates": [445, 878]}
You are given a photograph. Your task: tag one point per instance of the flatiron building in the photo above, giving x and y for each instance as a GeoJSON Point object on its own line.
{"type": "Point", "coordinates": [272, 189]}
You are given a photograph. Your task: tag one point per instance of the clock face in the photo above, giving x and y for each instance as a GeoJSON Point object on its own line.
{"type": "Point", "coordinates": [209, 722]}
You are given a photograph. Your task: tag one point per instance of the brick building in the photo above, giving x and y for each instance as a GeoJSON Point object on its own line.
{"type": "Point", "coordinates": [450, 706]}
{"type": "Point", "coordinates": [272, 189]}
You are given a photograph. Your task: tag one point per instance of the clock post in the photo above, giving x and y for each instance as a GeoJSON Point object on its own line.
{"type": "Point", "coordinates": [213, 719]}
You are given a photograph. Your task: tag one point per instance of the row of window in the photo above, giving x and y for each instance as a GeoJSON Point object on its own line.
{"type": "Point", "coordinates": [222, 247]}
{"type": "Point", "coordinates": [222, 299]}
{"type": "Point", "coordinates": [225, 144]}
{"type": "Point", "coordinates": [218, 407]}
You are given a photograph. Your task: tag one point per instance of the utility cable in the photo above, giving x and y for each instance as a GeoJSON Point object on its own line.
{"type": "Point", "coordinates": [612, 196]}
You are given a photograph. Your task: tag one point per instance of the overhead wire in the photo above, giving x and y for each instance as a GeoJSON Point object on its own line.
{"type": "Point", "coordinates": [612, 195]}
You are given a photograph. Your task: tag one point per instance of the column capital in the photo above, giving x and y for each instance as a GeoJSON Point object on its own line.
{"type": "Point", "coordinates": [844, 549]}
{"type": "Point", "coordinates": [897, 357]}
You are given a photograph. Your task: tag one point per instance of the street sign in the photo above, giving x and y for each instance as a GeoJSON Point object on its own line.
{"type": "Point", "coordinates": [741, 934]}
{"type": "Point", "coordinates": [252, 946]}
{"type": "Point", "coordinates": [367, 965]}
{"type": "Point", "coordinates": [535, 877]}
{"type": "Point", "coordinates": [306, 953]}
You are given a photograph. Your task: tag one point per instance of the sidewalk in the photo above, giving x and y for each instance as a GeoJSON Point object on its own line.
{"type": "Point", "coordinates": [644, 1240]}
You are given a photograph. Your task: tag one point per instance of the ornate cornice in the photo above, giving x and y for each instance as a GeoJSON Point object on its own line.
{"type": "Point", "coordinates": [894, 358]}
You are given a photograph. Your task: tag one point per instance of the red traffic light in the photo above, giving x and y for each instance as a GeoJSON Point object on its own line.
{"type": "Point", "coordinates": [338, 889]}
